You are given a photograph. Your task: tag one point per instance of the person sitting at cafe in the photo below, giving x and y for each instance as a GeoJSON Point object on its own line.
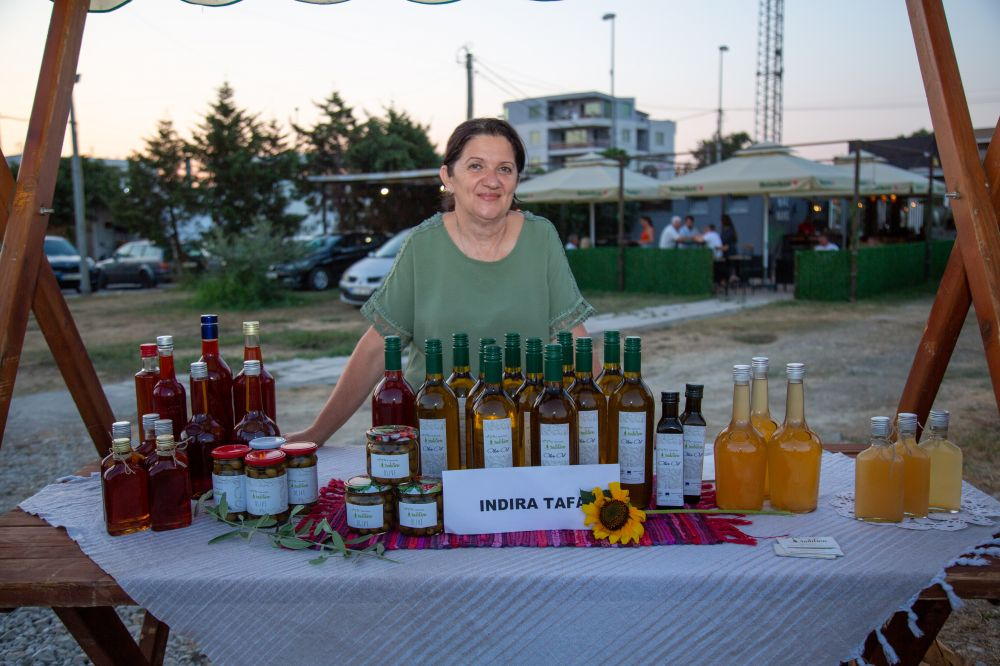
{"type": "Point", "coordinates": [572, 242]}
{"type": "Point", "coordinates": [689, 234]}
{"type": "Point", "coordinates": [671, 235]}
{"type": "Point", "coordinates": [713, 241]}
{"type": "Point", "coordinates": [647, 235]}
{"type": "Point", "coordinates": [824, 244]}
{"type": "Point", "coordinates": [730, 240]}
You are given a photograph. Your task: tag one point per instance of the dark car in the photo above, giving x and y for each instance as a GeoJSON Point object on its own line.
{"type": "Point", "coordinates": [65, 263]}
{"type": "Point", "coordinates": [139, 262]}
{"type": "Point", "coordinates": [325, 259]}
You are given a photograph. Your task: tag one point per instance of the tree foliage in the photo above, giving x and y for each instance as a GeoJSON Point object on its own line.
{"type": "Point", "coordinates": [393, 143]}
{"type": "Point", "coordinates": [102, 194]}
{"type": "Point", "coordinates": [705, 153]}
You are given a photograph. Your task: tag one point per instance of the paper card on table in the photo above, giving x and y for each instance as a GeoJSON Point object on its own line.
{"type": "Point", "coordinates": [825, 548]}
{"type": "Point", "coordinates": [519, 499]}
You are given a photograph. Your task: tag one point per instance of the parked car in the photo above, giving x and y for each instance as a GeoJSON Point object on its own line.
{"type": "Point", "coordinates": [139, 262]}
{"type": "Point", "coordinates": [65, 263]}
{"type": "Point", "coordinates": [325, 259]}
{"type": "Point", "coordinates": [364, 277]}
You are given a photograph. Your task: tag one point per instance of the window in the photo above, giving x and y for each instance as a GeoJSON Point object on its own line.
{"type": "Point", "coordinates": [658, 138]}
{"type": "Point", "coordinates": [535, 138]}
{"type": "Point", "coordinates": [626, 136]}
{"type": "Point", "coordinates": [535, 111]}
{"type": "Point", "coordinates": [576, 137]}
{"type": "Point", "coordinates": [593, 110]}
{"type": "Point", "coordinates": [738, 205]}
{"type": "Point", "coordinates": [697, 206]}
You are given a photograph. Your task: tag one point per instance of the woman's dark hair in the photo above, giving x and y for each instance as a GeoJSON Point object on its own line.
{"type": "Point", "coordinates": [726, 220]}
{"type": "Point", "coordinates": [480, 127]}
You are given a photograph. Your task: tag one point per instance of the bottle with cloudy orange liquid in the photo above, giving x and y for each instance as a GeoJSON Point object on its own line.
{"type": "Point", "coordinates": [946, 465]}
{"type": "Point", "coordinates": [794, 452]}
{"type": "Point", "coordinates": [916, 467]}
{"type": "Point", "coordinates": [760, 411]}
{"type": "Point", "coordinates": [878, 478]}
{"type": "Point", "coordinates": [740, 453]}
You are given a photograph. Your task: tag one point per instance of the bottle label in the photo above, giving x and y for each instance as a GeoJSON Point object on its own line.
{"type": "Point", "coordinates": [303, 486]}
{"type": "Point", "coordinates": [461, 431]}
{"type": "Point", "coordinates": [589, 437]}
{"type": "Point", "coordinates": [364, 517]}
{"type": "Point", "coordinates": [418, 515]}
{"type": "Point", "coordinates": [554, 443]}
{"type": "Point", "coordinates": [234, 488]}
{"type": "Point", "coordinates": [433, 447]}
{"type": "Point", "coordinates": [526, 436]}
{"type": "Point", "coordinates": [669, 469]}
{"type": "Point", "coordinates": [390, 466]}
{"type": "Point", "coordinates": [694, 452]}
{"type": "Point", "coordinates": [632, 446]}
{"type": "Point", "coordinates": [267, 496]}
{"type": "Point", "coordinates": [498, 443]}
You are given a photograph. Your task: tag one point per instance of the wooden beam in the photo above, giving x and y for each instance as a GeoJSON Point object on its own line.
{"type": "Point", "coordinates": [102, 635]}
{"type": "Point", "coordinates": [153, 639]}
{"type": "Point", "coordinates": [22, 250]}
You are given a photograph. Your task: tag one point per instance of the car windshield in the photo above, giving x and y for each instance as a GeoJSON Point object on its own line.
{"type": "Point", "coordinates": [391, 248]}
{"type": "Point", "coordinates": [55, 247]}
{"type": "Point", "coordinates": [321, 243]}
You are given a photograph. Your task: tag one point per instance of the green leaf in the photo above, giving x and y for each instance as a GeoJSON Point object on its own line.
{"type": "Point", "coordinates": [357, 540]}
{"type": "Point", "coordinates": [319, 560]}
{"type": "Point", "coordinates": [264, 522]}
{"type": "Point", "coordinates": [324, 525]}
{"type": "Point", "coordinates": [295, 543]}
{"type": "Point", "coordinates": [225, 535]}
{"type": "Point", "coordinates": [299, 508]}
{"type": "Point", "coordinates": [587, 496]}
{"type": "Point", "coordinates": [222, 507]}
{"type": "Point", "coordinates": [380, 548]}
{"type": "Point", "coordinates": [338, 541]}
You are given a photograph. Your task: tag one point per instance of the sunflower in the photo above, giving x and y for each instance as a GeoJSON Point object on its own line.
{"type": "Point", "coordinates": [613, 518]}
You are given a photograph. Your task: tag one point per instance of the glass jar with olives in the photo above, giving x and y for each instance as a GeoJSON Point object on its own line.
{"type": "Point", "coordinates": [421, 506]}
{"type": "Point", "coordinates": [303, 483]}
{"type": "Point", "coordinates": [393, 454]}
{"type": "Point", "coordinates": [370, 506]}
{"type": "Point", "coordinates": [229, 478]}
{"type": "Point", "coordinates": [267, 487]}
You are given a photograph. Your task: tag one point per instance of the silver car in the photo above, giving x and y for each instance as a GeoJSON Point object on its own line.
{"type": "Point", "coordinates": [364, 276]}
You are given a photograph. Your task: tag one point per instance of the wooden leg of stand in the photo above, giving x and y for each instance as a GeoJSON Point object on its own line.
{"type": "Point", "coordinates": [102, 635]}
{"type": "Point", "coordinates": [153, 639]}
{"type": "Point", "coordinates": [931, 616]}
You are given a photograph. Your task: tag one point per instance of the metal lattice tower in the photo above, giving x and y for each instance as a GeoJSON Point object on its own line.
{"type": "Point", "coordinates": [767, 110]}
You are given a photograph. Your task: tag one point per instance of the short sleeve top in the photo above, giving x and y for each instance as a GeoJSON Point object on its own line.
{"type": "Point", "coordinates": [434, 290]}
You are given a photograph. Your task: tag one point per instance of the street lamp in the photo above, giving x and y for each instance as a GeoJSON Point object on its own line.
{"type": "Point", "coordinates": [78, 212]}
{"type": "Point", "coordinates": [718, 128]}
{"type": "Point", "coordinates": [614, 110]}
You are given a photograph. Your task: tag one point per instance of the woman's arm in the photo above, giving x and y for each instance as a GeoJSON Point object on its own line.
{"type": "Point", "coordinates": [580, 331]}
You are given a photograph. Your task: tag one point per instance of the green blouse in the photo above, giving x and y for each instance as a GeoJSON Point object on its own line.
{"type": "Point", "coordinates": [434, 290]}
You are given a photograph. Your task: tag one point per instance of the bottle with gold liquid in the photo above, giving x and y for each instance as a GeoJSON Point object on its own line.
{"type": "Point", "coordinates": [946, 465]}
{"type": "Point", "coordinates": [794, 452]}
{"type": "Point", "coordinates": [694, 426]}
{"type": "Point", "coordinates": [526, 395]}
{"type": "Point", "coordinates": [470, 402]}
{"type": "Point", "coordinates": [630, 428]}
{"type": "Point", "coordinates": [740, 453]}
{"type": "Point", "coordinates": [494, 423]}
{"type": "Point", "coordinates": [461, 382]}
{"type": "Point", "coordinates": [916, 467]}
{"type": "Point", "coordinates": [760, 411]}
{"type": "Point", "coordinates": [611, 372]}
{"type": "Point", "coordinates": [554, 426]}
{"type": "Point", "coordinates": [565, 339]}
{"type": "Point", "coordinates": [512, 376]}
{"type": "Point", "coordinates": [437, 416]}
{"type": "Point", "coordinates": [591, 406]}
{"type": "Point", "coordinates": [878, 478]}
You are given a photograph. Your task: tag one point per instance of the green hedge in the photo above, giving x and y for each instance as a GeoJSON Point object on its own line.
{"type": "Point", "coordinates": [650, 270]}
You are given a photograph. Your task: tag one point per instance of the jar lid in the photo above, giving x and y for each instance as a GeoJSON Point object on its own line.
{"type": "Point", "coordinates": [264, 458]}
{"type": "Point", "coordinates": [230, 451]}
{"type": "Point", "coordinates": [266, 443]}
{"type": "Point", "coordinates": [364, 485]}
{"type": "Point", "coordinates": [422, 485]}
{"type": "Point", "coordinates": [391, 433]}
{"type": "Point", "coordinates": [299, 448]}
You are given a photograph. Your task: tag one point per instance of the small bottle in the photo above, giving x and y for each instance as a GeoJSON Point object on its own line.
{"type": "Point", "coordinates": [760, 411]}
{"type": "Point", "coordinates": [794, 452]}
{"type": "Point", "coordinates": [124, 484]}
{"type": "Point", "coordinates": [145, 381]}
{"type": "Point", "coordinates": [630, 428]}
{"type": "Point", "coordinates": [393, 399]}
{"type": "Point", "coordinates": [470, 402]}
{"type": "Point", "coordinates": [169, 397]}
{"type": "Point", "coordinates": [591, 406]}
{"type": "Point", "coordinates": [219, 377]}
{"type": "Point", "coordinates": [946, 465]}
{"type": "Point", "coordinates": [694, 442]}
{"type": "Point", "coordinates": [611, 373]}
{"type": "Point", "coordinates": [203, 432]}
{"type": "Point", "coordinates": [554, 427]}
{"type": "Point", "coordinates": [525, 397]}
{"type": "Point", "coordinates": [437, 416]}
{"type": "Point", "coordinates": [878, 478]}
{"type": "Point", "coordinates": [147, 447]}
{"type": "Point", "coordinates": [512, 376]}
{"type": "Point", "coordinates": [740, 453]}
{"type": "Point", "coordinates": [169, 487]}
{"type": "Point", "coordinates": [916, 467]}
{"type": "Point", "coordinates": [669, 454]}
{"type": "Point", "coordinates": [565, 339]}
{"type": "Point", "coordinates": [255, 423]}
{"type": "Point", "coordinates": [494, 424]}
{"type": "Point", "coordinates": [461, 382]}
{"type": "Point", "coordinates": [251, 352]}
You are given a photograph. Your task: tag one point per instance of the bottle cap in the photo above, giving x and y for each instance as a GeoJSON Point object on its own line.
{"type": "Point", "coordinates": [163, 427]}
{"type": "Point", "coordinates": [485, 342]}
{"type": "Point", "coordinates": [121, 429]}
{"type": "Point", "coordinates": [147, 350]}
{"type": "Point", "coordinates": [199, 370]}
{"type": "Point", "coordinates": [694, 390]}
{"type": "Point", "coordinates": [584, 345]}
{"type": "Point", "coordinates": [252, 368]}
{"type": "Point", "coordinates": [149, 423]}
{"type": "Point", "coordinates": [512, 350]}
{"type": "Point", "coordinates": [906, 422]}
{"type": "Point", "coordinates": [741, 374]}
{"type": "Point", "coordinates": [121, 445]}
{"type": "Point", "coordinates": [432, 346]}
{"type": "Point", "coordinates": [165, 444]}
{"type": "Point", "coordinates": [512, 339]}
{"type": "Point", "coordinates": [759, 365]}
{"type": "Point", "coordinates": [165, 344]}
{"type": "Point", "coordinates": [210, 319]}
{"type": "Point", "coordinates": [553, 352]}
{"type": "Point", "coordinates": [533, 346]}
{"type": "Point", "coordinates": [251, 328]}
{"type": "Point", "coordinates": [670, 396]}
{"type": "Point", "coordinates": [633, 343]}
{"type": "Point", "coordinates": [939, 418]}
{"type": "Point", "coordinates": [460, 339]}
{"type": "Point", "coordinates": [266, 443]}
{"type": "Point", "coordinates": [880, 426]}
{"type": "Point", "coordinates": [491, 353]}
{"type": "Point", "coordinates": [795, 371]}
{"type": "Point", "coordinates": [392, 343]}
{"type": "Point", "coordinates": [611, 337]}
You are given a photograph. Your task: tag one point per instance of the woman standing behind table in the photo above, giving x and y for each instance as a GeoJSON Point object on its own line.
{"type": "Point", "coordinates": [483, 268]}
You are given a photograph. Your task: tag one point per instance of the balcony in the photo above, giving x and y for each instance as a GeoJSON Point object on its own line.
{"type": "Point", "coordinates": [594, 144]}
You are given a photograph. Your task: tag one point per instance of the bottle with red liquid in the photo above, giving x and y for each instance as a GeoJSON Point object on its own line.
{"type": "Point", "coordinates": [169, 397]}
{"type": "Point", "coordinates": [393, 402]}
{"type": "Point", "coordinates": [145, 380]}
{"type": "Point", "coordinates": [251, 352]}
{"type": "Point", "coordinates": [255, 423]}
{"type": "Point", "coordinates": [169, 487]}
{"type": "Point", "coordinates": [220, 377]}
{"type": "Point", "coordinates": [202, 433]}
{"type": "Point", "coordinates": [147, 445]}
{"type": "Point", "coordinates": [124, 485]}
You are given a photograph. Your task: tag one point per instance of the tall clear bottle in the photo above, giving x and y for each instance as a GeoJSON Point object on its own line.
{"type": "Point", "coordinates": [203, 432]}
{"type": "Point", "coordinates": [669, 454]}
{"type": "Point", "coordinates": [946, 465]}
{"type": "Point", "coordinates": [740, 453]}
{"type": "Point", "coordinates": [220, 377]}
{"type": "Point", "coordinates": [437, 414]}
{"type": "Point", "coordinates": [525, 397]}
{"type": "Point", "coordinates": [591, 406]}
{"type": "Point", "coordinates": [916, 467]}
{"type": "Point", "coordinates": [461, 383]}
{"type": "Point", "coordinates": [470, 402]}
{"type": "Point", "coordinates": [878, 478]}
{"type": "Point", "coordinates": [255, 422]}
{"type": "Point", "coordinates": [169, 397]}
{"type": "Point", "coordinates": [494, 424]}
{"type": "Point", "coordinates": [554, 426]}
{"type": "Point", "coordinates": [124, 484]}
{"type": "Point", "coordinates": [512, 375]}
{"type": "Point", "coordinates": [145, 381]}
{"type": "Point", "coordinates": [252, 352]}
{"type": "Point", "coordinates": [630, 428]}
{"type": "Point", "coordinates": [393, 399]}
{"type": "Point", "coordinates": [611, 372]}
{"type": "Point", "coordinates": [565, 339]}
{"type": "Point", "coordinates": [760, 410]}
{"type": "Point", "coordinates": [694, 442]}
{"type": "Point", "coordinates": [794, 452]}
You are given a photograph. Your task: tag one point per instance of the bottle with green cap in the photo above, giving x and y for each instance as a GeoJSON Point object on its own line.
{"type": "Point", "coordinates": [611, 373]}
{"type": "Point", "coordinates": [461, 383]}
{"type": "Point", "coordinates": [437, 415]}
{"type": "Point", "coordinates": [494, 424]}
{"type": "Point", "coordinates": [694, 442]}
{"type": "Point", "coordinates": [554, 426]}
{"type": "Point", "coordinates": [470, 402]}
{"type": "Point", "coordinates": [526, 395]}
{"type": "Point", "coordinates": [630, 428]}
{"type": "Point", "coordinates": [393, 399]}
{"type": "Point", "coordinates": [512, 375]}
{"type": "Point", "coordinates": [565, 339]}
{"type": "Point", "coordinates": [591, 406]}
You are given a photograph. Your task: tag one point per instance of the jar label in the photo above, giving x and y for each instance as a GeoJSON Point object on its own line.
{"type": "Point", "coordinates": [418, 515]}
{"type": "Point", "coordinates": [234, 488]}
{"type": "Point", "coordinates": [364, 517]}
{"type": "Point", "coordinates": [267, 496]}
{"type": "Point", "coordinates": [632, 446]}
{"type": "Point", "coordinates": [669, 469]}
{"type": "Point", "coordinates": [498, 443]}
{"type": "Point", "coordinates": [589, 437]}
{"type": "Point", "coordinates": [461, 431]}
{"type": "Point", "coordinates": [554, 443]}
{"type": "Point", "coordinates": [303, 486]}
{"type": "Point", "coordinates": [390, 466]}
{"type": "Point", "coordinates": [433, 447]}
{"type": "Point", "coordinates": [694, 452]}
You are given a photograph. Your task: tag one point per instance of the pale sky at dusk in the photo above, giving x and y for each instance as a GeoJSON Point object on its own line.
{"type": "Point", "coordinates": [850, 66]}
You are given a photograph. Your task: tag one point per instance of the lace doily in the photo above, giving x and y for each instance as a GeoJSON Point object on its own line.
{"type": "Point", "coordinates": [977, 509]}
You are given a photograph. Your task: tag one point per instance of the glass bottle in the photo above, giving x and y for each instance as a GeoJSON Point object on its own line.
{"type": "Point", "coordinates": [147, 447]}
{"type": "Point", "coordinates": [760, 412]}
{"type": "Point", "coordinates": [461, 382]}
{"type": "Point", "coordinates": [437, 415]}
{"type": "Point", "coordinates": [169, 487]}
{"type": "Point", "coordinates": [630, 428]}
{"type": "Point", "coordinates": [512, 376]}
{"type": "Point", "coordinates": [169, 397]}
{"type": "Point", "coordinates": [554, 427]}
{"type": "Point", "coordinates": [794, 452]}
{"type": "Point", "coordinates": [392, 401]}
{"type": "Point", "coordinates": [740, 453]}
{"type": "Point", "coordinates": [591, 406]}
{"type": "Point", "coordinates": [494, 424]}
{"type": "Point", "coordinates": [916, 467]}
{"type": "Point", "coordinates": [565, 339]}
{"type": "Point", "coordinates": [946, 465]}
{"type": "Point", "coordinates": [251, 352]}
{"type": "Point", "coordinates": [694, 442]}
{"type": "Point", "coordinates": [470, 402]}
{"type": "Point", "coordinates": [220, 377]}
{"type": "Point", "coordinates": [878, 478]}
{"type": "Point", "coordinates": [124, 484]}
{"type": "Point", "coordinates": [526, 395]}
{"type": "Point", "coordinates": [669, 454]}
{"type": "Point", "coordinates": [145, 381]}
{"type": "Point", "coordinates": [611, 373]}
{"type": "Point", "coordinates": [255, 423]}
{"type": "Point", "coordinates": [203, 432]}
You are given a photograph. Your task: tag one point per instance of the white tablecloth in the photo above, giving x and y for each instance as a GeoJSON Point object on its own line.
{"type": "Point", "coordinates": [249, 604]}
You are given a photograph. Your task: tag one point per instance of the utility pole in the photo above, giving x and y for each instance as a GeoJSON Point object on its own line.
{"type": "Point", "coordinates": [469, 114]}
{"type": "Point", "coordinates": [78, 212]}
{"type": "Point", "coordinates": [718, 126]}
{"type": "Point", "coordinates": [614, 103]}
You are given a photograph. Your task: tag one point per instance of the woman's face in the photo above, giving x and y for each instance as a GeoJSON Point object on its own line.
{"type": "Point", "coordinates": [483, 178]}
